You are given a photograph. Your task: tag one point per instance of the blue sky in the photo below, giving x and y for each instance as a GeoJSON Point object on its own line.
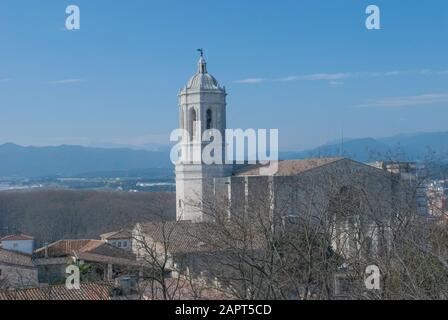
{"type": "Point", "coordinates": [308, 68]}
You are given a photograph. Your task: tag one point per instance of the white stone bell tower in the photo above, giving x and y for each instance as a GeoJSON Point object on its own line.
{"type": "Point", "coordinates": [202, 107]}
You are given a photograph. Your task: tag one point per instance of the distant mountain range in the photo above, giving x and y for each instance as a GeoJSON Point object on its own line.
{"type": "Point", "coordinates": [18, 161]}
{"type": "Point", "coordinates": [403, 147]}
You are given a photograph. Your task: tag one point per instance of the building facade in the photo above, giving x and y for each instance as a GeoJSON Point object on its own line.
{"type": "Point", "coordinates": [121, 239]}
{"type": "Point", "coordinates": [18, 242]}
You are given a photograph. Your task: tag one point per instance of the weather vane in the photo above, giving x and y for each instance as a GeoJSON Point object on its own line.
{"type": "Point", "coordinates": [201, 51]}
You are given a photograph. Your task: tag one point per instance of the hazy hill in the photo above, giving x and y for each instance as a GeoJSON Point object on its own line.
{"type": "Point", "coordinates": [51, 215]}
{"type": "Point", "coordinates": [411, 147]}
{"type": "Point", "coordinates": [73, 160]}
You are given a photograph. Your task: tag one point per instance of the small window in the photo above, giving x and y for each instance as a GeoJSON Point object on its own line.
{"type": "Point", "coordinates": [209, 119]}
{"type": "Point", "coordinates": [192, 128]}
{"type": "Point", "coordinates": [119, 244]}
{"type": "Point", "coordinates": [15, 245]}
{"type": "Point", "coordinates": [125, 244]}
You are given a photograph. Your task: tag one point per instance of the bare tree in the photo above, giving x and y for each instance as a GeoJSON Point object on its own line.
{"type": "Point", "coordinates": [298, 251]}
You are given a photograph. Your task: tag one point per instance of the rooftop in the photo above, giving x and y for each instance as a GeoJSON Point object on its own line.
{"type": "Point", "coordinates": [185, 289]}
{"type": "Point", "coordinates": [15, 258]}
{"type": "Point", "coordinates": [288, 167]}
{"type": "Point", "coordinates": [65, 247]}
{"type": "Point", "coordinates": [89, 250]}
{"type": "Point", "coordinates": [194, 237]}
{"type": "Point", "coordinates": [180, 236]}
{"type": "Point", "coordinates": [88, 291]}
{"type": "Point", "coordinates": [117, 235]}
{"type": "Point", "coordinates": [17, 237]}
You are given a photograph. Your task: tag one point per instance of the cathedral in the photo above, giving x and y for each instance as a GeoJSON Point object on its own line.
{"type": "Point", "coordinates": [294, 188]}
{"type": "Point", "coordinates": [223, 208]}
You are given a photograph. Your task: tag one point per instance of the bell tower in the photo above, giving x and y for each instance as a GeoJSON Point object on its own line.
{"type": "Point", "coordinates": [202, 108]}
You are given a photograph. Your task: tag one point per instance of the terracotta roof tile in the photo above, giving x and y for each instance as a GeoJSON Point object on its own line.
{"type": "Point", "coordinates": [88, 291]}
{"type": "Point", "coordinates": [15, 258]}
{"type": "Point", "coordinates": [89, 250]}
{"type": "Point", "coordinates": [180, 236]}
{"type": "Point", "coordinates": [190, 237]}
{"type": "Point", "coordinates": [92, 257]}
{"type": "Point", "coordinates": [16, 237]}
{"type": "Point", "coordinates": [182, 289]}
{"type": "Point", "coordinates": [288, 167]}
{"type": "Point", "coordinates": [65, 247]}
{"type": "Point", "coordinates": [120, 234]}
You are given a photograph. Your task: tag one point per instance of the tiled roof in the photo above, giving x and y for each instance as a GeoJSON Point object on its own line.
{"type": "Point", "coordinates": [16, 237]}
{"type": "Point", "coordinates": [190, 237]}
{"type": "Point", "coordinates": [15, 258]}
{"type": "Point", "coordinates": [179, 236]}
{"type": "Point", "coordinates": [53, 261]}
{"type": "Point", "coordinates": [108, 254]}
{"type": "Point", "coordinates": [92, 257]}
{"type": "Point", "coordinates": [183, 289]}
{"type": "Point", "coordinates": [88, 291]}
{"type": "Point", "coordinates": [288, 167]}
{"type": "Point", "coordinates": [89, 250]}
{"type": "Point", "coordinates": [92, 245]}
{"type": "Point", "coordinates": [65, 247]}
{"type": "Point", "coordinates": [120, 234]}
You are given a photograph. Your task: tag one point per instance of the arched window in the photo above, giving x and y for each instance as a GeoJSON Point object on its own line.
{"type": "Point", "coordinates": [193, 120]}
{"type": "Point", "coordinates": [209, 119]}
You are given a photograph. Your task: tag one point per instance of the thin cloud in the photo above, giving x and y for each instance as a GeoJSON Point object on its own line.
{"type": "Point", "coordinates": [434, 72]}
{"type": "Point", "coordinates": [336, 83]}
{"type": "Point", "coordinates": [65, 81]}
{"type": "Point", "coordinates": [318, 76]}
{"type": "Point", "coordinates": [5, 79]}
{"type": "Point", "coordinates": [418, 100]}
{"type": "Point", "coordinates": [394, 73]}
{"type": "Point", "coordinates": [251, 80]}
{"type": "Point", "coordinates": [342, 75]}
{"type": "Point", "coordinates": [346, 75]}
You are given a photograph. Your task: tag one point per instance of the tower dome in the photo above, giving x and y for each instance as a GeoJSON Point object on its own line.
{"type": "Point", "coordinates": [202, 80]}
